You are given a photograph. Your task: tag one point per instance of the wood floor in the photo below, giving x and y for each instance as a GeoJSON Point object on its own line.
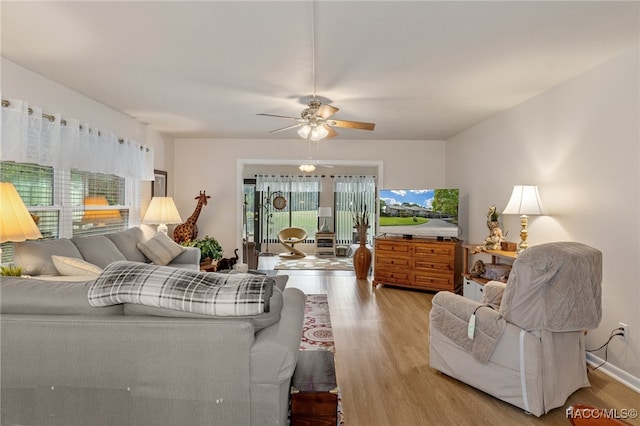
{"type": "Point", "coordinates": [382, 362]}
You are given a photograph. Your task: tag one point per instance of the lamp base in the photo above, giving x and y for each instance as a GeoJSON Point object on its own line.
{"type": "Point", "coordinates": [163, 228]}
{"type": "Point", "coordinates": [324, 227]}
{"type": "Point", "coordinates": [524, 233]}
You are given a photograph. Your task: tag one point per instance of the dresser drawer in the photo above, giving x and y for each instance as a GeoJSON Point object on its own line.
{"type": "Point", "coordinates": [391, 276]}
{"type": "Point", "coordinates": [443, 266]}
{"type": "Point", "coordinates": [391, 262]}
{"type": "Point", "coordinates": [391, 248]}
{"type": "Point", "coordinates": [434, 282]}
{"type": "Point", "coordinates": [444, 250]}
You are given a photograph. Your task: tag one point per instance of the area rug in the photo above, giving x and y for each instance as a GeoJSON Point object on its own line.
{"type": "Point", "coordinates": [317, 334]}
{"type": "Point", "coordinates": [317, 263]}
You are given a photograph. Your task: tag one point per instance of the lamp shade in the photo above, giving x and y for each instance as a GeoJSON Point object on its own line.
{"type": "Point", "coordinates": [16, 223]}
{"type": "Point", "coordinates": [525, 200]}
{"type": "Point", "coordinates": [99, 216]}
{"type": "Point", "coordinates": [324, 211]}
{"type": "Point", "coordinates": [162, 210]}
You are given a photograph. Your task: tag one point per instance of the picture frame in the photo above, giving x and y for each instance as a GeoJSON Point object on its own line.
{"type": "Point", "coordinates": [159, 185]}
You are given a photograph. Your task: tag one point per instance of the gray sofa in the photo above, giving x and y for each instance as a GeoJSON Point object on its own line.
{"type": "Point", "coordinates": [65, 362]}
{"type": "Point", "coordinates": [100, 250]}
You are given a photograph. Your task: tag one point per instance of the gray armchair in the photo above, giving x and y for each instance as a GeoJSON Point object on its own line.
{"type": "Point", "coordinates": [528, 343]}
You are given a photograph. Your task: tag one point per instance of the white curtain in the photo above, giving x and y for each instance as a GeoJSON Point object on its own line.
{"type": "Point", "coordinates": [351, 194]}
{"type": "Point", "coordinates": [28, 137]}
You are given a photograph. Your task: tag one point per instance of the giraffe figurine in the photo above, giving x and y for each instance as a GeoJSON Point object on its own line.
{"type": "Point", "coordinates": [188, 231]}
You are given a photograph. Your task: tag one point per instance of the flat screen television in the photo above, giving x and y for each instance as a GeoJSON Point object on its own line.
{"type": "Point", "coordinates": [429, 213]}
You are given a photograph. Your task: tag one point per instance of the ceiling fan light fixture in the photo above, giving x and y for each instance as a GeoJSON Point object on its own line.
{"type": "Point", "coordinates": [307, 167]}
{"type": "Point", "coordinates": [318, 132]}
{"type": "Point", "coordinates": [304, 131]}
{"type": "Point", "coordinates": [313, 132]}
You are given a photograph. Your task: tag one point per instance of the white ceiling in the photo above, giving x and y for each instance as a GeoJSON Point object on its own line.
{"type": "Point", "coordinates": [418, 69]}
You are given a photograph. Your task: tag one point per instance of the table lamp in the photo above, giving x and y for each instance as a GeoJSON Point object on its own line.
{"type": "Point", "coordinates": [161, 211]}
{"type": "Point", "coordinates": [100, 216]}
{"type": "Point", "coordinates": [16, 223]}
{"type": "Point", "coordinates": [324, 212]}
{"type": "Point", "coordinates": [524, 201]}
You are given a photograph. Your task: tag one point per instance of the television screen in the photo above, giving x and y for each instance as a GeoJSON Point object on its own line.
{"type": "Point", "coordinates": [421, 212]}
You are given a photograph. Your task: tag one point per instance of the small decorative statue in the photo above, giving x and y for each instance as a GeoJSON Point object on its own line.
{"type": "Point", "coordinates": [495, 238]}
{"type": "Point", "coordinates": [478, 269]}
{"type": "Point", "coordinates": [493, 241]}
{"type": "Point", "coordinates": [188, 231]}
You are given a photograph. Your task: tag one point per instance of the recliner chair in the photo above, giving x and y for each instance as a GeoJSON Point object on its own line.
{"type": "Point", "coordinates": [528, 342]}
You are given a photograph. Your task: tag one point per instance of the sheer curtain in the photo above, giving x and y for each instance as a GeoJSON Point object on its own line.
{"type": "Point", "coordinates": [302, 194]}
{"type": "Point", "coordinates": [28, 136]}
{"type": "Point", "coordinates": [351, 192]}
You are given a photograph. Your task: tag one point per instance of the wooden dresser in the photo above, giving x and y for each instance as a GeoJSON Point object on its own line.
{"type": "Point", "coordinates": [419, 263]}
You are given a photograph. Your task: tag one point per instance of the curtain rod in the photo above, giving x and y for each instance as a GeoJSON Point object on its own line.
{"type": "Point", "coordinates": [51, 118]}
{"type": "Point", "coordinates": [355, 176]}
{"type": "Point", "coordinates": [281, 176]}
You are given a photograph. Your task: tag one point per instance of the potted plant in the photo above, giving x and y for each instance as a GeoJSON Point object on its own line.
{"type": "Point", "coordinates": [210, 249]}
{"type": "Point", "coordinates": [11, 271]}
{"type": "Point", "coordinates": [492, 218]}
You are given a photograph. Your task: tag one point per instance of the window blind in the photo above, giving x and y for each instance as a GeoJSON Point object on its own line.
{"type": "Point", "coordinates": [67, 203]}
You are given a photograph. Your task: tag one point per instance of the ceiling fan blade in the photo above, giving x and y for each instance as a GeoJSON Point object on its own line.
{"type": "Point", "coordinates": [281, 116]}
{"type": "Point", "coordinates": [332, 133]}
{"type": "Point", "coordinates": [325, 111]}
{"type": "Point", "coordinates": [352, 124]}
{"type": "Point", "coordinates": [286, 128]}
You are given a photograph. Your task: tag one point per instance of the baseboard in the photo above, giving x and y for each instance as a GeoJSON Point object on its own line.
{"type": "Point", "coordinates": [614, 372]}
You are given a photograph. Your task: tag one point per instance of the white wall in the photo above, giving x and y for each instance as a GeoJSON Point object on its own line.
{"type": "Point", "coordinates": [212, 165]}
{"type": "Point", "coordinates": [579, 142]}
{"type": "Point", "coordinates": [20, 83]}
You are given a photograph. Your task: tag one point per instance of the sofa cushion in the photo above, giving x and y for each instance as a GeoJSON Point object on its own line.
{"type": "Point", "coordinates": [31, 296]}
{"type": "Point", "coordinates": [259, 321]}
{"type": "Point", "coordinates": [127, 242]}
{"type": "Point", "coordinates": [35, 256]}
{"type": "Point", "coordinates": [98, 249]}
{"type": "Point", "coordinates": [161, 249]}
{"type": "Point", "coordinates": [73, 266]}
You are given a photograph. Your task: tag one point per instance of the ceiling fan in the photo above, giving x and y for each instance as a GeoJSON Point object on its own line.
{"type": "Point", "coordinates": [315, 121]}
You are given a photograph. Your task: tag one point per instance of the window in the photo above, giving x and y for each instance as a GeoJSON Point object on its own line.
{"type": "Point", "coordinates": [302, 194]}
{"type": "Point", "coordinates": [67, 203]}
{"type": "Point", "coordinates": [98, 203]}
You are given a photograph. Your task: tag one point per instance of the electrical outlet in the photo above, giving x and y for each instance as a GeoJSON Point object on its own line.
{"type": "Point", "coordinates": [625, 330]}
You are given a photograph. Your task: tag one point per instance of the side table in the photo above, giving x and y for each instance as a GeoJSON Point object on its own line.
{"type": "Point", "coordinates": [325, 243]}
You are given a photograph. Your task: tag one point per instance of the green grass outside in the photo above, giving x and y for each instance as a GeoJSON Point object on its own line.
{"type": "Point", "coordinates": [404, 221]}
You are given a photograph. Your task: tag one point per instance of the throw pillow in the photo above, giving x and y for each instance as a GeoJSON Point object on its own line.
{"type": "Point", "coordinates": [73, 266]}
{"type": "Point", "coordinates": [161, 249]}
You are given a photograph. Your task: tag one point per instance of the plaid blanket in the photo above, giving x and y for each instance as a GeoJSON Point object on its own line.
{"type": "Point", "coordinates": [190, 291]}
